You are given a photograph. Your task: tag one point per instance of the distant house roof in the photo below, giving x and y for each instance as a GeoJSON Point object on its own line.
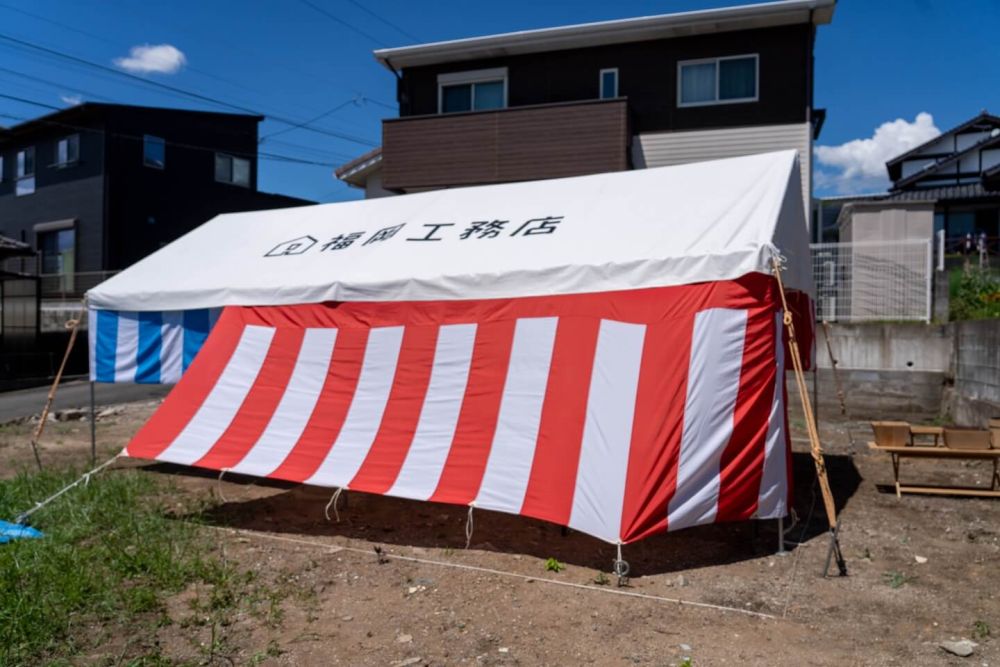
{"type": "Point", "coordinates": [966, 192]}
{"type": "Point", "coordinates": [97, 109]}
{"type": "Point", "coordinates": [12, 248]}
{"type": "Point", "coordinates": [679, 24]}
{"type": "Point", "coordinates": [983, 117]}
{"type": "Point", "coordinates": [937, 165]}
{"type": "Point", "coordinates": [357, 170]}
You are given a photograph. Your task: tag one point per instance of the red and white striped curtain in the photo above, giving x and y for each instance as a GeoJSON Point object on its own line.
{"type": "Point", "coordinates": [619, 414]}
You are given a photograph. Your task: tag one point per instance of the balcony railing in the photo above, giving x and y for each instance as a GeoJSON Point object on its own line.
{"type": "Point", "coordinates": [513, 144]}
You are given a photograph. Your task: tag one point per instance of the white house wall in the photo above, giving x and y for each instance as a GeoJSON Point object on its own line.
{"type": "Point", "coordinates": [659, 149]}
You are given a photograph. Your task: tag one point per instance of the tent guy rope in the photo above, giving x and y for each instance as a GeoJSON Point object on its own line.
{"type": "Point", "coordinates": [489, 570]}
{"type": "Point", "coordinates": [85, 479]}
{"type": "Point", "coordinates": [73, 326]}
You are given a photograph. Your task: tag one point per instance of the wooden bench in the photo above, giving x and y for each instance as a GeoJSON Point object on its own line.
{"type": "Point", "coordinates": [899, 453]}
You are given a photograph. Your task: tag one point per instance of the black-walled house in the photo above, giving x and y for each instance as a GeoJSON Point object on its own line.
{"type": "Point", "coordinates": [596, 97]}
{"type": "Point", "coordinates": [96, 187]}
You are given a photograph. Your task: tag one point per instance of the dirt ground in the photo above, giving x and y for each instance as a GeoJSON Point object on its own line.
{"type": "Point", "coordinates": [922, 570]}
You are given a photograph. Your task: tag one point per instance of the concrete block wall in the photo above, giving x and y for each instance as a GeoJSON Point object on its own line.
{"type": "Point", "coordinates": [975, 397]}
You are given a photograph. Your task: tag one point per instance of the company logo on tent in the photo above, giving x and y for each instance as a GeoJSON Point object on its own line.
{"type": "Point", "coordinates": [296, 246]}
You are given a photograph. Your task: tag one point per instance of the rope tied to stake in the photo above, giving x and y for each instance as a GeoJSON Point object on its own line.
{"type": "Point", "coordinates": [468, 528]}
{"type": "Point", "coordinates": [333, 503]}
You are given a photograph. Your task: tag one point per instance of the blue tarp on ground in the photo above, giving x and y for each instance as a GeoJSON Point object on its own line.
{"type": "Point", "coordinates": [14, 531]}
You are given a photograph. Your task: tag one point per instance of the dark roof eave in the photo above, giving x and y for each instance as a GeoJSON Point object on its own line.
{"type": "Point", "coordinates": [981, 116]}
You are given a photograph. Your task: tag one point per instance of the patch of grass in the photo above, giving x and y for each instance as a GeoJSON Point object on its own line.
{"type": "Point", "coordinates": [896, 579]}
{"type": "Point", "coordinates": [980, 630]}
{"type": "Point", "coordinates": [110, 557]}
{"type": "Point", "coordinates": [602, 579]}
{"type": "Point", "coordinates": [552, 565]}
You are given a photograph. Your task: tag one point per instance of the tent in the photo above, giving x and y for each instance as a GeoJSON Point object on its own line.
{"type": "Point", "coordinates": [603, 352]}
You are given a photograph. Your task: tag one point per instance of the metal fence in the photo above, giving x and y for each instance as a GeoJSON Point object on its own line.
{"type": "Point", "coordinates": [873, 281]}
{"type": "Point", "coordinates": [69, 286]}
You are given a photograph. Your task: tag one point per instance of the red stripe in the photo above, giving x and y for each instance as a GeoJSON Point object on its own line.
{"type": "Point", "coordinates": [182, 404]}
{"type": "Point", "coordinates": [470, 448]}
{"type": "Point", "coordinates": [331, 408]}
{"type": "Point", "coordinates": [657, 427]}
{"type": "Point", "coordinates": [742, 464]}
{"type": "Point", "coordinates": [549, 495]}
{"type": "Point", "coordinates": [260, 402]}
{"type": "Point", "coordinates": [402, 412]}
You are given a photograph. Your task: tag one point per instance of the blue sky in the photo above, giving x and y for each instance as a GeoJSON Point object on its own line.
{"type": "Point", "coordinates": [890, 73]}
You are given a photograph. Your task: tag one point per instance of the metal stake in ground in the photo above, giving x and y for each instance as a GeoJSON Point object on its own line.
{"type": "Point", "coordinates": [815, 446]}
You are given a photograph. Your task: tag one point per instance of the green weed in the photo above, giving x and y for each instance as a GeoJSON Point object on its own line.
{"type": "Point", "coordinates": [552, 565]}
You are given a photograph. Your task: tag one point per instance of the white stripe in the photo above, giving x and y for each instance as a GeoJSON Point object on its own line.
{"type": "Point", "coordinates": [225, 399]}
{"type": "Point", "coordinates": [773, 498]}
{"type": "Point", "coordinates": [127, 349]}
{"type": "Point", "coordinates": [607, 431]}
{"type": "Point", "coordinates": [367, 407]}
{"type": "Point", "coordinates": [296, 405]}
{"type": "Point", "coordinates": [712, 386]}
{"type": "Point", "coordinates": [421, 471]}
{"type": "Point", "coordinates": [171, 346]}
{"type": "Point", "coordinates": [513, 450]}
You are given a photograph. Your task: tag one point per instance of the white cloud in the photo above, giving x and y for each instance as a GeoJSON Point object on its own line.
{"type": "Point", "coordinates": [158, 58]}
{"type": "Point", "coordinates": [71, 100]}
{"type": "Point", "coordinates": [859, 165]}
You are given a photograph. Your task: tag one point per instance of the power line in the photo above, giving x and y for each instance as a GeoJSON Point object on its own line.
{"type": "Point", "coordinates": [353, 100]}
{"type": "Point", "coordinates": [117, 45]}
{"type": "Point", "coordinates": [385, 21]}
{"type": "Point", "coordinates": [277, 157]}
{"type": "Point", "coordinates": [342, 22]}
{"type": "Point", "coordinates": [180, 91]}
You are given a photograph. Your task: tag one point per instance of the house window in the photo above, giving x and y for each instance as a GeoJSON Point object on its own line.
{"type": "Point", "coordinates": [717, 81]}
{"type": "Point", "coordinates": [25, 171]}
{"type": "Point", "coordinates": [478, 90]}
{"type": "Point", "coordinates": [234, 170]}
{"type": "Point", "coordinates": [154, 152]}
{"type": "Point", "coordinates": [68, 151]}
{"type": "Point", "coordinates": [58, 250]}
{"type": "Point", "coordinates": [609, 83]}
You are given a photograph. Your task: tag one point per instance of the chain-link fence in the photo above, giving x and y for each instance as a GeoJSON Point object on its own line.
{"type": "Point", "coordinates": [873, 281]}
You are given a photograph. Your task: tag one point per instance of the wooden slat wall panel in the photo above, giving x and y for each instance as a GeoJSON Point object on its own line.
{"type": "Point", "coordinates": [514, 144]}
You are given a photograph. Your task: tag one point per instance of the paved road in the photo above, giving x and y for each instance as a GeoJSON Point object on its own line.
{"type": "Point", "coordinates": [75, 394]}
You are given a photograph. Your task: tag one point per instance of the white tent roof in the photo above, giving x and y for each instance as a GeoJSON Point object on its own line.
{"type": "Point", "coordinates": [646, 228]}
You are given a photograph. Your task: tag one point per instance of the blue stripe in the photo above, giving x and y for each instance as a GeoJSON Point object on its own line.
{"type": "Point", "coordinates": [106, 346]}
{"type": "Point", "coordinates": [150, 342]}
{"type": "Point", "coordinates": [196, 326]}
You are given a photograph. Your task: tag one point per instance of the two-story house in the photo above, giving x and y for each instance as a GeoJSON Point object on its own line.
{"type": "Point", "coordinates": [949, 184]}
{"type": "Point", "coordinates": [595, 97]}
{"type": "Point", "coordinates": [96, 187]}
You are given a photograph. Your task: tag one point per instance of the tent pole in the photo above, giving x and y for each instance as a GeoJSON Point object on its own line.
{"type": "Point", "coordinates": [93, 427]}
{"type": "Point", "coordinates": [781, 536]}
{"type": "Point", "coordinates": [810, 418]}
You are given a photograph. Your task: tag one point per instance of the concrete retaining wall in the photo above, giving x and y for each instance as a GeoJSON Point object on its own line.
{"type": "Point", "coordinates": [975, 397]}
{"type": "Point", "coordinates": [913, 371]}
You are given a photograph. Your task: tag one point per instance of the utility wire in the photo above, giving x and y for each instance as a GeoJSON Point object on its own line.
{"type": "Point", "coordinates": [353, 100]}
{"type": "Point", "coordinates": [337, 19]}
{"type": "Point", "coordinates": [180, 91]}
{"type": "Point", "coordinates": [277, 157]}
{"type": "Point", "coordinates": [385, 21]}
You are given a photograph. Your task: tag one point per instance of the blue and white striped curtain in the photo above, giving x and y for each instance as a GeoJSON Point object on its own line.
{"type": "Point", "coordinates": [146, 347]}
